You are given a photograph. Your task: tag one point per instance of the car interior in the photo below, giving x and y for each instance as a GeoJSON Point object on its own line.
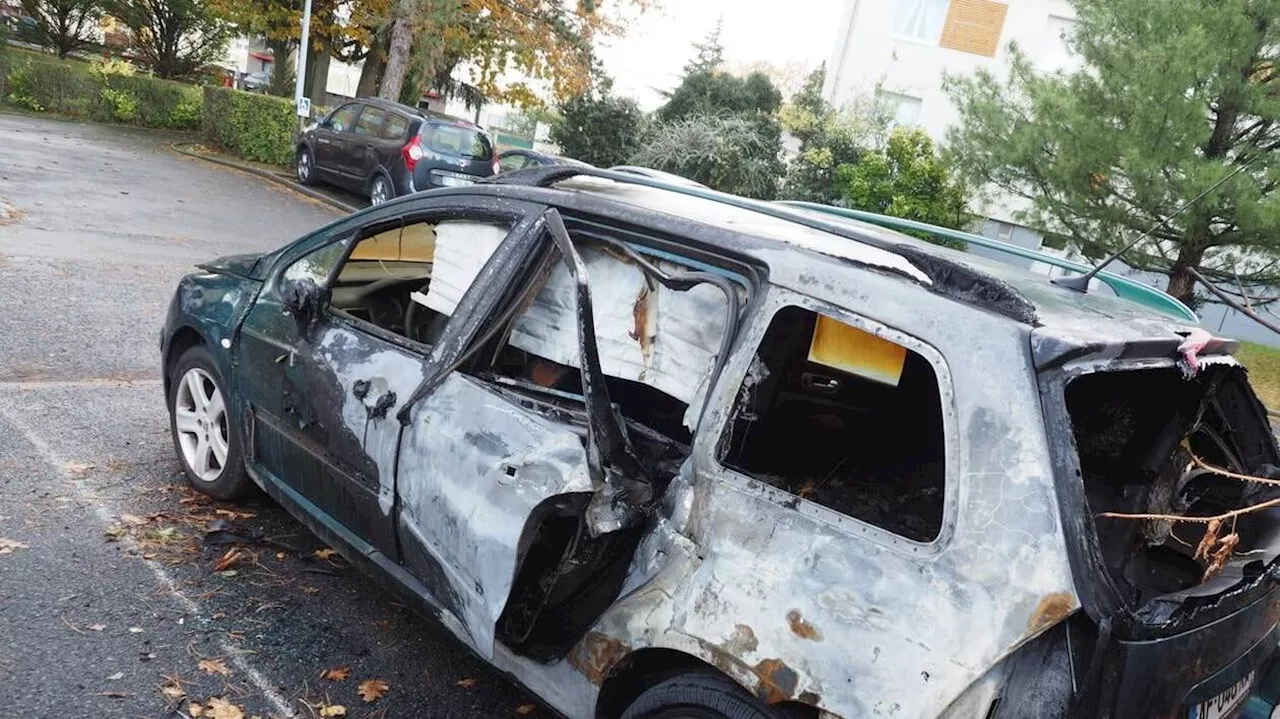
{"type": "Point", "coordinates": [843, 418]}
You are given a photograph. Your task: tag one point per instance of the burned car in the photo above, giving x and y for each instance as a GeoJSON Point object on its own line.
{"type": "Point", "coordinates": [656, 451]}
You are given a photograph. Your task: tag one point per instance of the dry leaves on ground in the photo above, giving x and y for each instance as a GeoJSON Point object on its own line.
{"type": "Point", "coordinates": [332, 710]}
{"type": "Point", "coordinates": [219, 708]}
{"type": "Point", "coordinates": [526, 708]}
{"type": "Point", "coordinates": [325, 553]}
{"type": "Point", "coordinates": [336, 674]}
{"type": "Point", "coordinates": [79, 470]}
{"type": "Point", "coordinates": [173, 689]}
{"type": "Point", "coordinates": [214, 666]}
{"type": "Point", "coordinates": [371, 690]}
{"type": "Point", "coordinates": [8, 546]}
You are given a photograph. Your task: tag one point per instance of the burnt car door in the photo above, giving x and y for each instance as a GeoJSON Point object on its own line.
{"type": "Point", "coordinates": [537, 446]}
{"type": "Point", "coordinates": [330, 351]}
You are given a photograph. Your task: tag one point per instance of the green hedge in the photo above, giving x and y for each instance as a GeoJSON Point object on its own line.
{"type": "Point", "coordinates": [257, 127]}
{"type": "Point", "coordinates": [69, 88]}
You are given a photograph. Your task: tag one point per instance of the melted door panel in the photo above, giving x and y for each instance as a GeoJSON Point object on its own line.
{"type": "Point", "coordinates": [474, 467]}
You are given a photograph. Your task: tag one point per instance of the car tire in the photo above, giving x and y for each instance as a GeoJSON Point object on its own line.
{"type": "Point", "coordinates": [698, 695]}
{"type": "Point", "coordinates": [306, 165]}
{"type": "Point", "coordinates": [203, 431]}
{"type": "Point", "coordinates": [381, 189]}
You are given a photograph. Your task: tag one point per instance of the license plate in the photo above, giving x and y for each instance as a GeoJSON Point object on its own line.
{"type": "Point", "coordinates": [449, 181]}
{"type": "Point", "coordinates": [1223, 705]}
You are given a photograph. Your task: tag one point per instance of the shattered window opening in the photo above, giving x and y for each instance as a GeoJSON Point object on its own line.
{"type": "Point", "coordinates": [386, 277]}
{"type": "Point", "coordinates": [1147, 441]}
{"type": "Point", "coordinates": [845, 419]}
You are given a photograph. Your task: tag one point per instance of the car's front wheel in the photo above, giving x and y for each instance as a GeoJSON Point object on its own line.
{"type": "Point", "coordinates": [202, 427]}
{"type": "Point", "coordinates": [381, 190]}
{"type": "Point", "coordinates": [306, 166]}
{"type": "Point", "coordinates": [698, 695]}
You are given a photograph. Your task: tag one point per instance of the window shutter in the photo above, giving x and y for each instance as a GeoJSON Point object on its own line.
{"type": "Point", "coordinates": [974, 26]}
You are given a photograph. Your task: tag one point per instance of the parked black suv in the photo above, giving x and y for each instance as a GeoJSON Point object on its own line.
{"type": "Point", "coordinates": [383, 149]}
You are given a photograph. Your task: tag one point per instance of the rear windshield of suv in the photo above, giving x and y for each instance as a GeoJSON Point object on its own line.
{"type": "Point", "coordinates": [458, 140]}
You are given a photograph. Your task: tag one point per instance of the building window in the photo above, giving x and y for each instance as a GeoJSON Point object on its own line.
{"type": "Point", "coordinates": [906, 108]}
{"type": "Point", "coordinates": [921, 19]}
{"type": "Point", "coordinates": [974, 26]}
{"type": "Point", "coordinates": [1055, 48]}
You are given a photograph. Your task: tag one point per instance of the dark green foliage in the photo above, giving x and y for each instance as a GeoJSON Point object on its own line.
{"type": "Point", "coordinates": [1172, 98]}
{"type": "Point", "coordinates": [727, 152]}
{"type": "Point", "coordinates": [63, 25]}
{"type": "Point", "coordinates": [601, 129]}
{"type": "Point", "coordinates": [904, 180]}
{"type": "Point", "coordinates": [72, 88]}
{"type": "Point", "coordinates": [715, 92]}
{"type": "Point", "coordinates": [173, 38]}
{"type": "Point", "coordinates": [257, 127]}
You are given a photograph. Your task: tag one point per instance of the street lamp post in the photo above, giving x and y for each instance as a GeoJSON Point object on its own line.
{"type": "Point", "coordinates": [301, 104]}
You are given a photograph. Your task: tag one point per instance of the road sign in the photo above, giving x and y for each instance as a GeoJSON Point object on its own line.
{"type": "Point", "coordinates": [304, 107]}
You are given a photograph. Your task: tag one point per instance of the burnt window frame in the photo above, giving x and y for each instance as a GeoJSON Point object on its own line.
{"type": "Point", "coordinates": [725, 396]}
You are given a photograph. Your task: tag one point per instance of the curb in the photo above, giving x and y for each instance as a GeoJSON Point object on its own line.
{"type": "Point", "coordinates": [266, 175]}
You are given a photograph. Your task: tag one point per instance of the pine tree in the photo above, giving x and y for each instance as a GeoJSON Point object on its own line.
{"type": "Point", "coordinates": [1172, 98]}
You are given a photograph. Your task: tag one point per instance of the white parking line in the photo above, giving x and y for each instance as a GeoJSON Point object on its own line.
{"type": "Point", "coordinates": [108, 516]}
{"type": "Point", "coordinates": [79, 383]}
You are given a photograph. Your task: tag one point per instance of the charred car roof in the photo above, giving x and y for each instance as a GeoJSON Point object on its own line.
{"type": "Point", "coordinates": [751, 228]}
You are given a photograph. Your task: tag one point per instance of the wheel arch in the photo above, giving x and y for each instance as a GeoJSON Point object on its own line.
{"type": "Point", "coordinates": [643, 668]}
{"type": "Point", "coordinates": [183, 338]}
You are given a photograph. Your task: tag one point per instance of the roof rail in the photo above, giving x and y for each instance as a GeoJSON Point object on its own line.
{"type": "Point", "coordinates": [1124, 287]}
{"type": "Point", "coordinates": [948, 277]}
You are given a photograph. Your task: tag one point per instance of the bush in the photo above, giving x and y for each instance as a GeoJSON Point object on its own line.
{"type": "Point", "coordinates": [738, 154]}
{"type": "Point", "coordinates": [104, 92]}
{"type": "Point", "coordinates": [257, 127]}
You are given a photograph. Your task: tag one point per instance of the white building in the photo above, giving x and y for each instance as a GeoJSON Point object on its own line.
{"type": "Point", "coordinates": [900, 50]}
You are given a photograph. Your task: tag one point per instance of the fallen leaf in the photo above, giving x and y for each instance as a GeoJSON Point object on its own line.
{"type": "Point", "coordinates": [173, 689]}
{"type": "Point", "coordinates": [132, 519]}
{"type": "Point", "coordinates": [336, 674]}
{"type": "Point", "coordinates": [96, 627]}
{"type": "Point", "coordinates": [332, 710]}
{"type": "Point", "coordinates": [79, 470]}
{"type": "Point", "coordinates": [135, 630]}
{"type": "Point", "coordinates": [466, 683]}
{"type": "Point", "coordinates": [371, 690]}
{"type": "Point", "coordinates": [525, 709]}
{"type": "Point", "coordinates": [310, 590]}
{"type": "Point", "coordinates": [7, 546]}
{"type": "Point", "coordinates": [214, 666]}
{"type": "Point", "coordinates": [116, 677]}
{"type": "Point", "coordinates": [114, 532]}
{"type": "Point", "coordinates": [195, 710]}
{"type": "Point", "coordinates": [220, 708]}
{"type": "Point", "coordinates": [1219, 557]}
{"type": "Point", "coordinates": [325, 553]}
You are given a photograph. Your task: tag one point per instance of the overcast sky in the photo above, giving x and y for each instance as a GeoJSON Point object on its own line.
{"type": "Point", "coordinates": [657, 46]}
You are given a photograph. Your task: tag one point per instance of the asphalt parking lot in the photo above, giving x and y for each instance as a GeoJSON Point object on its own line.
{"type": "Point", "coordinates": [115, 598]}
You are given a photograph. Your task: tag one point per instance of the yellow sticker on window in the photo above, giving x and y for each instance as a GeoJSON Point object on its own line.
{"type": "Point", "coordinates": [849, 349]}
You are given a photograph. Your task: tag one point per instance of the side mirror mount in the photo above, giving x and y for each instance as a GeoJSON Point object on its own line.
{"type": "Point", "coordinates": [305, 300]}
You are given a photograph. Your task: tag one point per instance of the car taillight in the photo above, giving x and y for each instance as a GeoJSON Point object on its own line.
{"type": "Point", "coordinates": [497, 168]}
{"type": "Point", "coordinates": [412, 153]}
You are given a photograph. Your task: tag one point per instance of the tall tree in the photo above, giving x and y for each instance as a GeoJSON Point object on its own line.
{"type": "Point", "coordinates": [716, 92]}
{"type": "Point", "coordinates": [175, 38]}
{"type": "Point", "coordinates": [1172, 98]}
{"type": "Point", "coordinates": [710, 53]}
{"type": "Point", "coordinates": [727, 152]}
{"type": "Point", "coordinates": [546, 41]}
{"type": "Point", "coordinates": [64, 25]}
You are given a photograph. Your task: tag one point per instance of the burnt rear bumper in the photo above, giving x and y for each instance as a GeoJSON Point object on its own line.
{"type": "Point", "coordinates": [1166, 676]}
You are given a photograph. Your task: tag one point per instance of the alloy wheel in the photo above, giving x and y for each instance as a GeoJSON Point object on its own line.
{"type": "Point", "coordinates": [304, 166]}
{"type": "Point", "coordinates": [200, 417]}
{"type": "Point", "coordinates": [380, 192]}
